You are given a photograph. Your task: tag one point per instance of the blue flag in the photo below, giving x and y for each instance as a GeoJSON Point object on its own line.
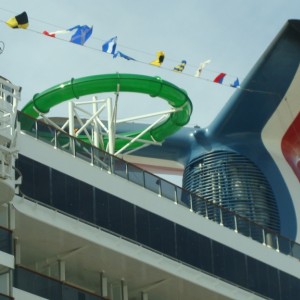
{"type": "Point", "coordinates": [110, 45]}
{"type": "Point", "coordinates": [119, 53]}
{"type": "Point", "coordinates": [81, 35]}
{"type": "Point", "coordinates": [236, 83]}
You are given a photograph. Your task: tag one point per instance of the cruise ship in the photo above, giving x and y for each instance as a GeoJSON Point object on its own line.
{"type": "Point", "coordinates": [84, 215]}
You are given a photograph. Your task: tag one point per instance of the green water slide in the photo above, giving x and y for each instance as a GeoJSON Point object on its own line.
{"type": "Point", "coordinates": [153, 86]}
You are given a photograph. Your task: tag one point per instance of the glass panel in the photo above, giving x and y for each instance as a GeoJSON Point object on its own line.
{"type": "Point", "coordinates": [120, 167]}
{"type": "Point", "coordinates": [47, 287]}
{"type": "Point", "coordinates": [135, 175]}
{"type": "Point", "coordinates": [189, 245]}
{"type": "Point", "coordinates": [199, 205]}
{"type": "Point", "coordinates": [295, 250]}
{"type": "Point", "coordinates": [42, 183]}
{"type": "Point", "coordinates": [86, 202]}
{"type": "Point", "coordinates": [152, 183]}
{"type": "Point", "coordinates": [25, 165]}
{"type": "Point", "coordinates": [30, 128]}
{"type": "Point", "coordinates": [284, 245]}
{"type": "Point", "coordinates": [115, 214]}
{"type": "Point", "coordinates": [257, 276]}
{"type": "Point", "coordinates": [101, 208]}
{"type": "Point", "coordinates": [213, 212]}
{"type": "Point", "coordinates": [243, 226]}
{"type": "Point", "coordinates": [142, 226]}
{"type": "Point", "coordinates": [64, 142]}
{"type": "Point", "coordinates": [128, 222]}
{"type": "Point", "coordinates": [72, 196]}
{"type": "Point", "coordinates": [156, 232]}
{"type": "Point", "coordinates": [289, 286]}
{"type": "Point", "coordinates": [36, 284]}
{"type": "Point", "coordinates": [257, 232]}
{"type": "Point", "coordinates": [83, 150]}
{"type": "Point", "coordinates": [185, 197]}
{"type": "Point", "coordinates": [58, 181]}
{"type": "Point", "coordinates": [45, 133]}
{"type": "Point", "coordinates": [179, 196]}
{"type": "Point", "coordinates": [101, 159]}
{"type": "Point", "coordinates": [5, 240]}
{"type": "Point", "coordinates": [168, 190]}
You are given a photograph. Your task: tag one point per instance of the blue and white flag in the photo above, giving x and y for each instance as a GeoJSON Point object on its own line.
{"type": "Point", "coordinates": [119, 53]}
{"type": "Point", "coordinates": [110, 46]}
{"type": "Point", "coordinates": [81, 35]}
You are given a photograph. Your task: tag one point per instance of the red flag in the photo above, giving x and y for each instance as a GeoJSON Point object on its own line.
{"type": "Point", "coordinates": [219, 78]}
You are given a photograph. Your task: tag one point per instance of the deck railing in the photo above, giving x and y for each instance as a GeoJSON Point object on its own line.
{"type": "Point", "coordinates": [163, 188]}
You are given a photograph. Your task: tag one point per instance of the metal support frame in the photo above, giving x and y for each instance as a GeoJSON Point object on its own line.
{"type": "Point", "coordinates": [82, 119]}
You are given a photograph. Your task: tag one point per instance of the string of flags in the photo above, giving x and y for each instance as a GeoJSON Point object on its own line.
{"type": "Point", "coordinates": [80, 36]}
{"type": "Point", "coordinates": [81, 33]}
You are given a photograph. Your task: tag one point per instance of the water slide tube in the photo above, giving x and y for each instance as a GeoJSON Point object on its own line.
{"type": "Point", "coordinates": [153, 86]}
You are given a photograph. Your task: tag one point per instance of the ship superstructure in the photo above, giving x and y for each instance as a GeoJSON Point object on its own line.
{"type": "Point", "coordinates": [79, 222]}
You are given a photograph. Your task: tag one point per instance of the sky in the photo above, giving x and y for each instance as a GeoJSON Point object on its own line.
{"type": "Point", "coordinates": [233, 34]}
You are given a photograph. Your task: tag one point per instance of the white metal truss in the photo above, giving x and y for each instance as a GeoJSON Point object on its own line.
{"type": "Point", "coordinates": [97, 121]}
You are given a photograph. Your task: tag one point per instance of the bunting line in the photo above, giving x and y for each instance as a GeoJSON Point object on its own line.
{"type": "Point", "coordinates": [84, 32]}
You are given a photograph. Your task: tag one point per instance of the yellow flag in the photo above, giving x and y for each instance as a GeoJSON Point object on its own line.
{"type": "Point", "coordinates": [19, 21]}
{"type": "Point", "coordinates": [159, 60]}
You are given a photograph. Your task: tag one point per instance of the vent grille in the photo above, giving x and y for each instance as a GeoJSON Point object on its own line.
{"type": "Point", "coordinates": [232, 181]}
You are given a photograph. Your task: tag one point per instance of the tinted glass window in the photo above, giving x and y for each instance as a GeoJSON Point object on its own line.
{"type": "Point", "coordinates": [101, 209]}
{"type": "Point", "coordinates": [42, 182]}
{"type": "Point", "coordinates": [25, 166]}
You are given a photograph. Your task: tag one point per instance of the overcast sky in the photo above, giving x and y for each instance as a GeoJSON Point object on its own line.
{"type": "Point", "coordinates": [232, 34]}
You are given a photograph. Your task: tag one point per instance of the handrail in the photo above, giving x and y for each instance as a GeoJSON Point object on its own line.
{"type": "Point", "coordinates": [162, 187]}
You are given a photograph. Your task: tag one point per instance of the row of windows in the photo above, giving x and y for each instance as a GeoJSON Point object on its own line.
{"type": "Point", "coordinates": [84, 201]}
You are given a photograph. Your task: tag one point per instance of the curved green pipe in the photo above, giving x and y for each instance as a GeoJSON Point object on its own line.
{"type": "Point", "coordinates": [154, 86]}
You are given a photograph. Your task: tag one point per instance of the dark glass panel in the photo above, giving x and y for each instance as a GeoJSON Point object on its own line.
{"type": "Point", "coordinates": [5, 240]}
{"type": "Point", "coordinates": [257, 276]}
{"type": "Point", "coordinates": [289, 285]}
{"type": "Point", "coordinates": [142, 226]}
{"type": "Point", "coordinates": [101, 209]}
{"type": "Point", "coordinates": [86, 202]}
{"type": "Point", "coordinates": [168, 237]}
{"type": "Point", "coordinates": [42, 182]}
{"type": "Point", "coordinates": [156, 232]}
{"type": "Point", "coordinates": [229, 264]}
{"type": "Point", "coordinates": [193, 248]}
{"type": "Point", "coordinates": [58, 181]}
{"type": "Point", "coordinates": [25, 166]}
{"type": "Point", "coordinates": [36, 284]}
{"type": "Point", "coordinates": [47, 287]}
{"type": "Point", "coordinates": [128, 220]}
{"type": "Point", "coordinates": [115, 214]}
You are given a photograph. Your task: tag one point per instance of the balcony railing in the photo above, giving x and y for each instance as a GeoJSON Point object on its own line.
{"type": "Point", "coordinates": [112, 164]}
{"type": "Point", "coordinates": [47, 287]}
